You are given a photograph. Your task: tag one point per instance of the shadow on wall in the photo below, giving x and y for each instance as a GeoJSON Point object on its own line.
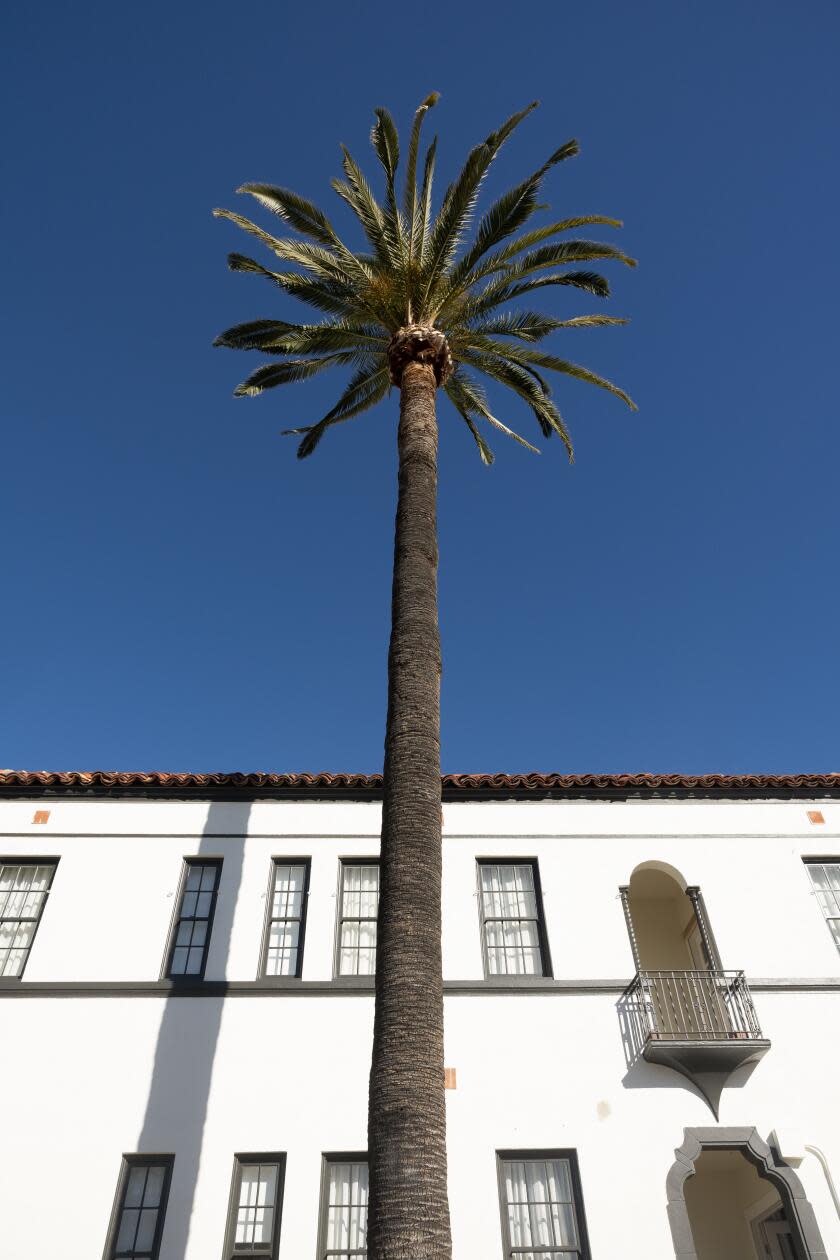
{"type": "Point", "coordinates": [176, 1110]}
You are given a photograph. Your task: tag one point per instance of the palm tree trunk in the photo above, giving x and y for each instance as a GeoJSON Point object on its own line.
{"type": "Point", "coordinates": [408, 1215]}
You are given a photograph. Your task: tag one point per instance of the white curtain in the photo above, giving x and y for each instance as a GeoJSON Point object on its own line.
{"type": "Point", "coordinates": [347, 1210]}
{"type": "Point", "coordinates": [540, 1205]}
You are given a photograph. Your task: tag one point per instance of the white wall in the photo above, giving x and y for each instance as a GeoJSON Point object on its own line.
{"type": "Point", "coordinates": [86, 1079]}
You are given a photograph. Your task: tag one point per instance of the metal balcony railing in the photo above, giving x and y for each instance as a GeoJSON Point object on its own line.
{"type": "Point", "coordinates": [692, 1006]}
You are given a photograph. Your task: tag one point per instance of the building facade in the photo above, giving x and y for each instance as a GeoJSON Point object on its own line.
{"type": "Point", "coordinates": [642, 1016]}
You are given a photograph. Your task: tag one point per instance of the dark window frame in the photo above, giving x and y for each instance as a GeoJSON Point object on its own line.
{"type": "Point", "coordinates": [230, 1251]}
{"type": "Point", "coordinates": [130, 1161]}
{"type": "Point", "coordinates": [542, 931]}
{"type": "Point", "coordinates": [187, 862]}
{"type": "Point", "coordinates": [571, 1156]}
{"type": "Point", "coordinates": [822, 860]}
{"type": "Point", "coordinates": [339, 917]}
{"type": "Point", "coordinates": [280, 860]}
{"type": "Point", "coordinates": [27, 860]}
{"type": "Point", "coordinates": [327, 1158]}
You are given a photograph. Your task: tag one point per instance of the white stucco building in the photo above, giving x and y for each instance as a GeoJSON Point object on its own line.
{"type": "Point", "coordinates": [642, 1015]}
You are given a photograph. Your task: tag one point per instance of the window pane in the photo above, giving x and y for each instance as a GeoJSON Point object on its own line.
{"type": "Point", "coordinates": [357, 929]}
{"type": "Point", "coordinates": [146, 1230]}
{"type": "Point", "coordinates": [253, 1208]}
{"type": "Point", "coordinates": [154, 1187]}
{"type": "Point", "coordinates": [282, 956]}
{"type": "Point", "coordinates": [128, 1232]}
{"type": "Point", "coordinates": [23, 894]}
{"type": "Point", "coordinates": [347, 1209]}
{"type": "Point", "coordinates": [540, 1207]}
{"type": "Point", "coordinates": [510, 916]}
{"type": "Point", "coordinates": [825, 878]}
{"type": "Point", "coordinates": [140, 1208]}
{"type": "Point", "coordinates": [191, 938]}
{"type": "Point", "coordinates": [135, 1187]}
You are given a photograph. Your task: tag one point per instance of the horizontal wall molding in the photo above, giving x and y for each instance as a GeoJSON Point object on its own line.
{"type": "Point", "coordinates": [797, 838]}
{"type": "Point", "coordinates": [355, 986]}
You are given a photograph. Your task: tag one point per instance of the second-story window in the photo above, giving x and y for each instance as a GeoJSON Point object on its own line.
{"type": "Point", "coordinates": [283, 952]}
{"type": "Point", "coordinates": [23, 893]}
{"type": "Point", "coordinates": [359, 903]}
{"type": "Point", "coordinates": [196, 906]}
{"type": "Point", "coordinates": [825, 877]}
{"type": "Point", "coordinates": [513, 932]}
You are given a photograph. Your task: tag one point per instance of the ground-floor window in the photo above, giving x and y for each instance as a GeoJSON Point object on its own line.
{"type": "Point", "coordinates": [343, 1234]}
{"type": "Point", "coordinates": [542, 1207]}
{"type": "Point", "coordinates": [140, 1207]}
{"type": "Point", "coordinates": [255, 1201]}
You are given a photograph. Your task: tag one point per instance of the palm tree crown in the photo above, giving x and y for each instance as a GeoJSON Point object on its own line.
{"type": "Point", "coordinates": [420, 291]}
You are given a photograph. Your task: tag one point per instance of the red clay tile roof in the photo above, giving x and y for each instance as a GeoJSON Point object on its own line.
{"type": "Point", "coordinates": [455, 786]}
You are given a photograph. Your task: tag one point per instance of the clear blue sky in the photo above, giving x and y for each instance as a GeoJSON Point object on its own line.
{"type": "Point", "coordinates": [181, 593]}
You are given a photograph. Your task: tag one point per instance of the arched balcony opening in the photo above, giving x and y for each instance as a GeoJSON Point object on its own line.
{"type": "Point", "coordinates": [664, 914]}
{"type": "Point", "coordinates": [683, 1010]}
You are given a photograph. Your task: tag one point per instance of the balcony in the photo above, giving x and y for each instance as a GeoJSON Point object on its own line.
{"type": "Point", "coordinates": [701, 1024]}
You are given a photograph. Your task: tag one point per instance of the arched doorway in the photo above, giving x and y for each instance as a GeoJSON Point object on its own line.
{"type": "Point", "coordinates": [730, 1197]}
{"type": "Point", "coordinates": [736, 1214]}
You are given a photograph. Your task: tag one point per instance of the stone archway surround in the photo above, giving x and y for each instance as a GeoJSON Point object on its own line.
{"type": "Point", "coordinates": [798, 1210]}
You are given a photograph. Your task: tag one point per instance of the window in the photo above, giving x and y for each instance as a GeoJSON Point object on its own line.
{"type": "Point", "coordinates": [513, 932]}
{"type": "Point", "coordinates": [542, 1209]}
{"type": "Point", "coordinates": [286, 918]}
{"type": "Point", "coordinates": [825, 877]}
{"type": "Point", "coordinates": [23, 894]}
{"type": "Point", "coordinates": [256, 1198]}
{"type": "Point", "coordinates": [344, 1200]}
{"type": "Point", "coordinates": [139, 1208]}
{"type": "Point", "coordinates": [357, 918]}
{"type": "Point", "coordinates": [196, 904]}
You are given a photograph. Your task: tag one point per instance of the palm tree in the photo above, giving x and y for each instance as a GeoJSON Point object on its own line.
{"type": "Point", "coordinates": [421, 309]}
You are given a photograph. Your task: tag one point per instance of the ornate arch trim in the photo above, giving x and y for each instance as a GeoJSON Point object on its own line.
{"type": "Point", "coordinates": [807, 1238]}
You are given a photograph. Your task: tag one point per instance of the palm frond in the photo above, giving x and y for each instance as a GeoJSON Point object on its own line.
{"type": "Point", "coordinates": [325, 295]}
{"type": "Point", "coordinates": [561, 252]}
{"type": "Point", "coordinates": [509, 213]}
{"type": "Point", "coordinates": [486, 454]}
{"type": "Point", "coordinates": [537, 235]}
{"type": "Point", "coordinates": [386, 144]}
{"type": "Point", "coordinates": [466, 393]}
{"type": "Point", "coordinates": [366, 388]}
{"type": "Point", "coordinates": [410, 191]}
{"type": "Point", "coordinates": [315, 258]}
{"type": "Point", "coordinates": [358, 194]}
{"type": "Point", "coordinates": [423, 219]}
{"type": "Point", "coordinates": [304, 216]}
{"type": "Point", "coordinates": [460, 198]}
{"type": "Point", "coordinates": [524, 383]}
{"type": "Point", "coordinates": [293, 370]}
{"type": "Point", "coordinates": [255, 334]}
{"type": "Point", "coordinates": [550, 363]}
{"type": "Point", "coordinates": [529, 325]}
{"type": "Point", "coordinates": [501, 291]}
